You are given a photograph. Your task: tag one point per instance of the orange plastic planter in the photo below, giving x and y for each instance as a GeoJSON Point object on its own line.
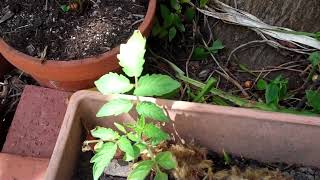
{"type": "Point", "coordinates": [265, 136]}
{"type": "Point", "coordinates": [76, 74]}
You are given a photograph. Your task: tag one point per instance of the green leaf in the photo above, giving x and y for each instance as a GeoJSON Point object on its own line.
{"type": "Point", "coordinates": [172, 33]}
{"type": "Point", "coordinates": [175, 5]}
{"type": "Point", "coordinates": [113, 83]}
{"type": "Point", "coordinates": [189, 14]}
{"type": "Point", "coordinates": [120, 127]}
{"type": "Point", "coordinates": [155, 134]}
{"type": "Point", "coordinates": [103, 158]}
{"type": "Point", "coordinates": [262, 84]}
{"type": "Point", "coordinates": [226, 157]}
{"type": "Point", "coordinates": [185, 1]}
{"type": "Point", "coordinates": [151, 110]}
{"type": "Point", "coordinates": [98, 146]}
{"type": "Point", "coordinates": [168, 21]}
{"type": "Point", "coordinates": [314, 58]}
{"type": "Point", "coordinates": [141, 171]}
{"type": "Point", "coordinates": [199, 53]}
{"type": "Point", "coordinates": [106, 134]}
{"type": "Point", "coordinates": [133, 137]}
{"type": "Point", "coordinates": [203, 3]}
{"type": "Point", "coordinates": [313, 98]}
{"type": "Point", "coordinates": [155, 85]}
{"type": "Point", "coordinates": [177, 22]}
{"type": "Point", "coordinates": [166, 160]}
{"type": "Point", "coordinates": [65, 8]}
{"type": "Point", "coordinates": [131, 57]}
{"type": "Point", "coordinates": [272, 94]}
{"type": "Point", "coordinates": [115, 107]}
{"type": "Point", "coordinates": [125, 146]}
{"type": "Point", "coordinates": [161, 176]}
{"type": "Point", "coordinates": [216, 45]}
{"type": "Point", "coordinates": [164, 11]}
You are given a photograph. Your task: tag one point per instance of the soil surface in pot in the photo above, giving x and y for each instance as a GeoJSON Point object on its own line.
{"type": "Point", "coordinates": [221, 167]}
{"type": "Point", "coordinates": [66, 30]}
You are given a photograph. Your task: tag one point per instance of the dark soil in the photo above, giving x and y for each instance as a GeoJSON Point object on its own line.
{"type": "Point", "coordinates": [11, 87]}
{"type": "Point", "coordinates": [93, 28]}
{"type": "Point", "coordinates": [296, 172]}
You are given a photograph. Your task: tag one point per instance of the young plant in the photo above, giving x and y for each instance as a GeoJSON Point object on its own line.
{"type": "Point", "coordinates": [275, 91]}
{"type": "Point", "coordinates": [172, 16]}
{"type": "Point", "coordinates": [200, 53]}
{"type": "Point", "coordinates": [140, 137]}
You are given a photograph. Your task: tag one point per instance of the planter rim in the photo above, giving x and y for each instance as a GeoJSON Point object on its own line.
{"type": "Point", "coordinates": [77, 98]}
{"type": "Point", "coordinates": [269, 137]}
{"type": "Point", "coordinates": [60, 69]}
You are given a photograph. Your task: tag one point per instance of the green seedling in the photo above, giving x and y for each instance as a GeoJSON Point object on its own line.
{"type": "Point", "coordinates": [140, 137]}
{"type": "Point", "coordinates": [200, 53]}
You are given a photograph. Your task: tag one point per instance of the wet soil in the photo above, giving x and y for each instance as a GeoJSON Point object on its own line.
{"type": "Point", "coordinates": [86, 28]}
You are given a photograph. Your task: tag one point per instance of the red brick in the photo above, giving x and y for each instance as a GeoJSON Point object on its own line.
{"type": "Point", "coordinates": [36, 124]}
{"type": "Point", "coordinates": [14, 167]}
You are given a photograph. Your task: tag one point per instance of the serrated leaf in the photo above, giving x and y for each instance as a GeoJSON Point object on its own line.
{"type": "Point", "coordinates": [313, 98]}
{"type": "Point", "coordinates": [155, 134]}
{"type": "Point", "coordinates": [125, 146]}
{"type": "Point", "coordinates": [216, 45]}
{"type": "Point", "coordinates": [141, 171]}
{"type": "Point", "coordinates": [166, 160]}
{"type": "Point", "coordinates": [189, 14]}
{"type": "Point", "coordinates": [155, 85]}
{"type": "Point", "coordinates": [161, 175]}
{"type": "Point", "coordinates": [120, 127]}
{"type": "Point", "coordinates": [106, 134]}
{"type": "Point", "coordinates": [113, 83]}
{"type": "Point", "coordinates": [272, 94]}
{"type": "Point", "coordinates": [203, 3]}
{"type": "Point", "coordinates": [151, 110]}
{"type": "Point", "coordinates": [199, 54]}
{"type": "Point", "coordinates": [314, 58]}
{"type": "Point", "coordinates": [115, 107]}
{"type": "Point", "coordinates": [103, 158]}
{"type": "Point", "coordinates": [131, 57]}
{"type": "Point", "coordinates": [262, 84]}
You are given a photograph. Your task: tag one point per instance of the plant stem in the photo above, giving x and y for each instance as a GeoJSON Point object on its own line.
{"type": "Point", "coordinates": [205, 90]}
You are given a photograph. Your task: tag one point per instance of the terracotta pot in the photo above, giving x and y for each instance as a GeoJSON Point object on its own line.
{"type": "Point", "coordinates": [265, 136]}
{"type": "Point", "coordinates": [76, 74]}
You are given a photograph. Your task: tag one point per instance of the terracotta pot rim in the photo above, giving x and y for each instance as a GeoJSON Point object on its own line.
{"type": "Point", "coordinates": [89, 60]}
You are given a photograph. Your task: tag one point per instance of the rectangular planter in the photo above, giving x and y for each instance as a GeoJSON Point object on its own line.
{"type": "Point", "coordinates": [265, 136]}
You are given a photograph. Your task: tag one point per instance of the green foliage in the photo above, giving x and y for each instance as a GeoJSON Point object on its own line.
{"type": "Point", "coordinates": [113, 83]}
{"type": "Point", "coordinates": [203, 3]}
{"type": "Point", "coordinates": [262, 84]}
{"type": "Point", "coordinates": [151, 110]}
{"type": "Point", "coordinates": [65, 8]}
{"type": "Point", "coordinates": [139, 137]}
{"type": "Point", "coordinates": [103, 158]}
{"type": "Point", "coordinates": [200, 53]}
{"type": "Point", "coordinates": [173, 15]}
{"type": "Point", "coordinates": [105, 134]}
{"type": "Point", "coordinates": [166, 160]}
{"type": "Point", "coordinates": [315, 58]}
{"type": "Point", "coordinates": [155, 85]}
{"type": "Point", "coordinates": [161, 176]}
{"type": "Point", "coordinates": [141, 171]}
{"type": "Point", "coordinates": [115, 107]}
{"type": "Point", "coordinates": [226, 157]}
{"type": "Point", "coordinates": [313, 98]}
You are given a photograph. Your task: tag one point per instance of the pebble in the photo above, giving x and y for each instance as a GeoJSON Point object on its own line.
{"type": "Point", "coordinates": [31, 50]}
